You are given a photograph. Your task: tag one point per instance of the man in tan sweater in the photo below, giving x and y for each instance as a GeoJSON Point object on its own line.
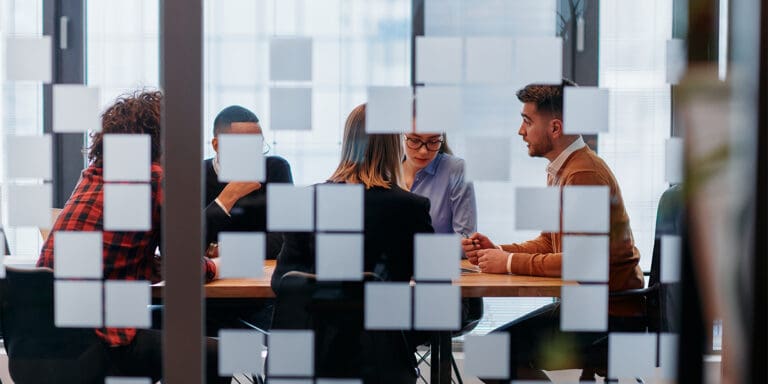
{"type": "Point", "coordinates": [571, 163]}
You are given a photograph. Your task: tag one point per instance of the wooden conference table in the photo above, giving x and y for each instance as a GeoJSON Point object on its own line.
{"type": "Point", "coordinates": [473, 284]}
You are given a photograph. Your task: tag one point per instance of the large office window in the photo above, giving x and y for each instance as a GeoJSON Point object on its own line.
{"type": "Point", "coordinates": [633, 66]}
{"type": "Point", "coordinates": [21, 109]}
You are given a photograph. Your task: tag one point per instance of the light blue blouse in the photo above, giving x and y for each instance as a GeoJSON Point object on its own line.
{"type": "Point", "coordinates": [453, 208]}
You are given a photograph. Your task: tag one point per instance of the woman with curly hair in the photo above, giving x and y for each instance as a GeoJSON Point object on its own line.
{"type": "Point", "coordinates": [127, 254]}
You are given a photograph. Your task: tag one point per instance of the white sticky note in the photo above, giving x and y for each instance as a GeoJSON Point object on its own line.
{"type": "Point", "coordinates": [439, 109]}
{"type": "Point", "coordinates": [127, 157]}
{"type": "Point", "coordinates": [585, 110]}
{"type": "Point", "coordinates": [241, 158]}
{"type": "Point", "coordinates": [389, 110]}
{"type": "Point", "coordinates": [75, 108]}
{"type": "Point", "coordinates": [242, 254]}
{"type": "Point", "coordinates": [290, 208]}
{"type": "Point", "coordinates": [574, 317]}
{"type": "Point", "coordinates": [438, 60]}
{"type": "Point", "coordinates": [673, 160]}
{"type": "Point", "coordinates": [290, 59]}
{"type": "Point", "coordinates": [631, 355]}
{"type": "Point", "coordinates": [487, 356]}
{"type": "Point", "coordinates": [585, 258]}
{"type": "Point", "coordinates": [537, 209]}
{"type": "Point", "coordinates": [30, 205]}
{"type": "Point", "coordinates": [438, 307]}
{"type": "Point", "coordinates": [538, 60]}
{"type": "Point", "coordinates": [29, 59]}
{"type": "Point", "coordinates": [240, 352]}
{"type": "Point", "coordinates": [586, 209]}
{"type": "Point", "coordinates": [340, 207]}
{"type": "Point", "coordinates": [676, 60]}
{"type": "Point", "coordinates": [290, 108]}
{"type": "Point", "coordinates": [437, 256]}
{"type": "Point", "coordinates": [127, 380]}
{"type": "Point", "coordinates": [668, 344]}
{"type": "Point", "coordinates": [670, 259]}
{"type": "Point", "coordinates": [127, 303]}
{"type": "Point", "coordinates": [489, 60]}
{"type": "Point", "coordinates": [29, 156]}
{"type": "Point", "coordinates": [127, 207]}
{"type": "Point", "coordinates": [291, 353]}
{"type": "Point", "coordinates": [339, 256]}
{"type": "Point", "coordinates": [77, 304]}
{"type": "Point", "coordinates": [387, 306]}
{"type": "Point", "coordinates": [488, 159]}
{"type": "Point", "coordinates": [77, 254]}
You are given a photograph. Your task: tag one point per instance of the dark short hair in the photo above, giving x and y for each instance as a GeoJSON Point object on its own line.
{"type": "Point", "coordinates": [232, 114]}
{"type": "Point", "coordinates": [548, 98]}
{"type": "Point", "coordinates": [133, 113]}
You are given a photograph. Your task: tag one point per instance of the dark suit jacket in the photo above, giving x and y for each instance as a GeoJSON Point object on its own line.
{"type": "Point", "coordinates": [249, 213]}
{"type": "Point", "coordinates": [391, 218]}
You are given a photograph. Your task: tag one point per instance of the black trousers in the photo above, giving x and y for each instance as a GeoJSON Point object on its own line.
{"type": "Point", "coordinates": [536, 343]}
{"type": "Point", "coordinates": [144, 357]}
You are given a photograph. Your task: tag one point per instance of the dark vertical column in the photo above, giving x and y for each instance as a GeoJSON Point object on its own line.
{"type": "Point", "coordinates": [701, 52]}
{"type": "Point", "coordinates": [758, 353]}
{"type": "Point", "coordinates": [181, 77]}
{"type": "Point", "coordinates": [68, 68]}
{"type": "Point", "coordinates": [417, 29]}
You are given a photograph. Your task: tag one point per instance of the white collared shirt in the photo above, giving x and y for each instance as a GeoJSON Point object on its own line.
{"type": "Point", "coordinates": [554, 167]}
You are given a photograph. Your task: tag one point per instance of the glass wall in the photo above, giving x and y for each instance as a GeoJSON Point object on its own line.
{"type": "Point", "coordinates": [567, 238]}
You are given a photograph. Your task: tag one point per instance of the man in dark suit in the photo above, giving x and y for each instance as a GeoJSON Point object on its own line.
{"type": "Point", "coordinates": [233, 206]}
{"type": "Point", "coordinates": [240, 207]}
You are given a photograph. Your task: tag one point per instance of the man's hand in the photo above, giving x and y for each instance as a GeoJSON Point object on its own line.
{"type": "Point", "coordinates": [235, 191]}
{"type": "Point", "coordinates": [492, 260]}
{"type": "Point", "coordinates": [475, 243]}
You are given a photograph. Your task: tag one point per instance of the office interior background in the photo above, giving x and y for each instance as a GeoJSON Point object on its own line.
{"type": "Point", "coordinates": [684, 103]}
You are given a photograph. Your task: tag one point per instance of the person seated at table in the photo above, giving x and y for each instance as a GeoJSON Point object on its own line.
{"type": "Point", "coordinates": [431, 170]}
{"type": "Point", "coordinates": [571, 163]}
{"type": "Point", "coordinates": [127, 255]}
{"type": "Point", "coordinates": [239, 207]}
{"type": "Point", "coordinates": [392, 216]}
{"type": "Point", "coordinates": [230, 206]}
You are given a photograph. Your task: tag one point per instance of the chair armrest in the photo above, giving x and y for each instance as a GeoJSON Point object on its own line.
{"type": "Point", "coordinates": [634, 292]}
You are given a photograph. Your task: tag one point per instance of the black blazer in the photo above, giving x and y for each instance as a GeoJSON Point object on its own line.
{"type": "Point", "coordinates": [249, 213]}
{"type": "Point", "coordinates": [392, 217]}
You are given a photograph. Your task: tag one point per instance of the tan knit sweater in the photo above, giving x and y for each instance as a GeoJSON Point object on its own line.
{"type": "Point", "coordinates": [542, 256]}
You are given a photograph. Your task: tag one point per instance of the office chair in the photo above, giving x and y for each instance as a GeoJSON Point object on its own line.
{"type": "Point", "coordinates": [343, 348]}
{"type": "Point", "coordinates": [38, 351]}
{"type": "Point", "coordinates": [660, 300]}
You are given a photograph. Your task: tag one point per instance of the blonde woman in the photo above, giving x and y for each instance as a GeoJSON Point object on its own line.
{"type": "Point", "coordinates": [392, 216]}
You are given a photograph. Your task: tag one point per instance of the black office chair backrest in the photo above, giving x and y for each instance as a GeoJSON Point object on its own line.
{"type": "Point", "coordinates": [662, 307]}
{"type": "Point", "coordinates": [38, 351]}
{"type": "Point", "coordinates": [343, 348]}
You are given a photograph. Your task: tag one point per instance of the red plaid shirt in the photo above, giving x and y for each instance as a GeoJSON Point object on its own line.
{"type": "Point", "coordinates": [127, 255]}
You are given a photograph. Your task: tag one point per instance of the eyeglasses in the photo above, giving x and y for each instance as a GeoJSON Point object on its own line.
{"type": "Point", "coordinates": [432, 145]}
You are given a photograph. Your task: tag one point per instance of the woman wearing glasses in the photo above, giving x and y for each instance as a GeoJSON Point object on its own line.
{"type": "Point", "coordinates": [431, 170]}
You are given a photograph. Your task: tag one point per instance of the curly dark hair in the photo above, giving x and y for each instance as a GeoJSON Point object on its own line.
{"type": "Point", "coordinates": [548, 98]}
{"type": "Point", "coordinates": [137, 112]}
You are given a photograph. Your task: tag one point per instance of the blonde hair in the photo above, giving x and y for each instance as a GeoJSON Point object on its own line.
{"type": "Point", "coordinates": [372, 160]}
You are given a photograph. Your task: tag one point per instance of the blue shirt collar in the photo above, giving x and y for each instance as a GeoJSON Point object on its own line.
{"type": "Point", "coordinates": [432, 167]}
